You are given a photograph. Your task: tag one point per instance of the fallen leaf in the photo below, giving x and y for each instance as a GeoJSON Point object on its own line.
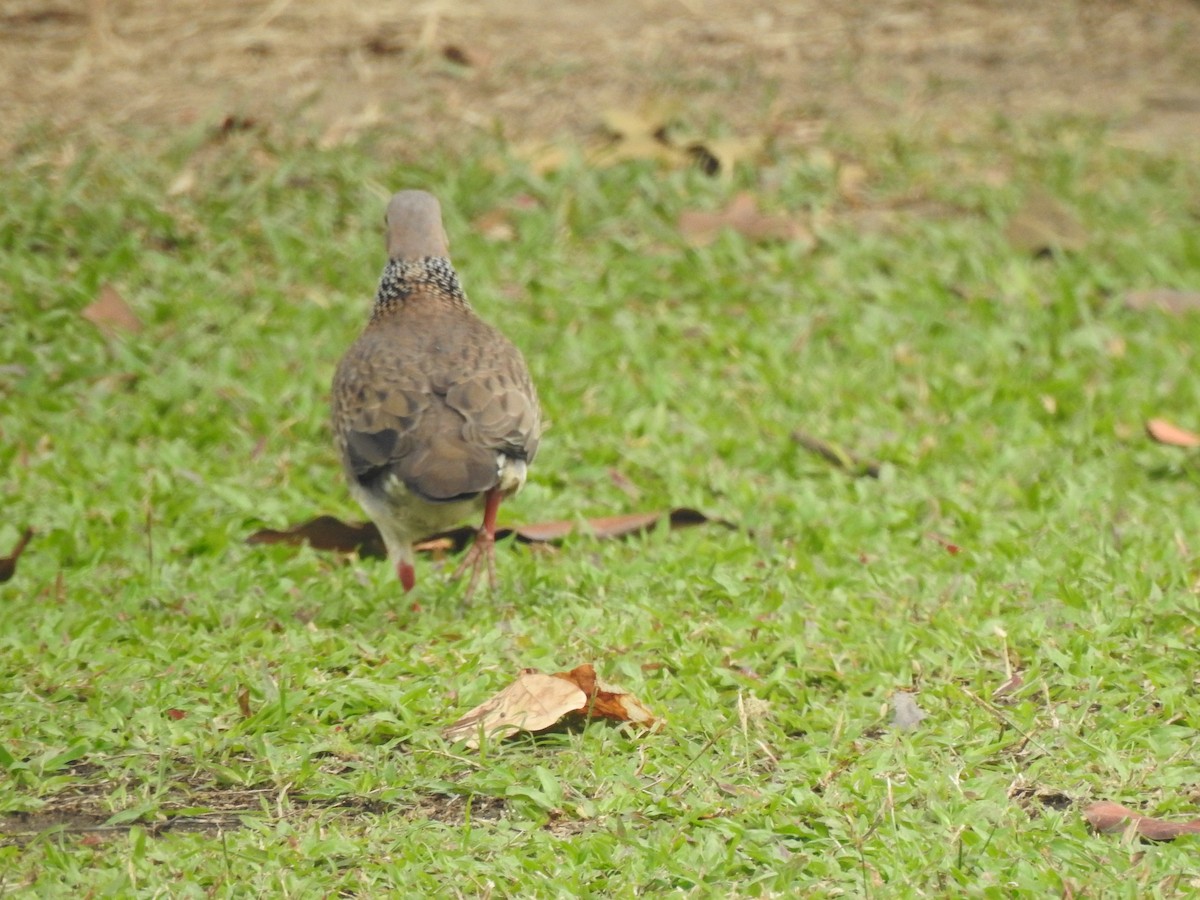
{"type": "Point", "coordinates": [950, 547]}
{"type": "Point", "coordinates": [111, 314]}
{"type": "Point", "coordinates": [175, 714]}
{"type": "Point", "coordinates": [631, 490]}
{"type": "Point", "coordinates": [628, 124]}
{"type": "Point", "coordinates": [606, 701]}
{"type": "Point", "coordinates": [838, 456]}
{"type": "Point", "coordinates": [906, 715]}
{"type": "Point", "coordinates": [243, 702]}
{"type": "Point", "coordinates": [536, 701]}
{"type": "Point", "coordinates": [329, 533]}
{"type": "Point", "coordinates": [1172, 435]}
{"type": "Point", "coordinates": [542, 158]}
{"type": "Point", "coordinates": [1164, 300]}
{"type": "Point", "coordinates": [1107, 817]}
{"type": "Point", "coordinates": [184, 182]}
{"type": "Point", "coordinates": [850, 180]}
{"type": "Point", "coordinates": [700, 228]}
{"type": "Point", "coordinates": [1013, 683]}
{"type": "Point", "coordinates": [8, 564]}
{"type": "Point", "coordinates": [533, 702]}
{"type": "Point", "coordinates": [1044, 225]}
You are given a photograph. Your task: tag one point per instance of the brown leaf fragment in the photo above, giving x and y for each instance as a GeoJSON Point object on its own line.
{"type": "Point", "coordinates": [618, 478]}
{"type": "Point", "coordinates": [1044, 225]}
{"type": "Point", "coordinates": [111, 314]}
{"type": "Point", "coordinates": [1172, 435]}
{"type": "Point", "coordinates": [906, 715]}
{"type": "Point", "coordinates": [536, 701]}
{"type": "Point", "coordinates": [327, 533]}
{"type": "Point", "coordinates": [1013, 683]}
{"type": "Point", "coordinates": [1107, 817]}
{"type": "Point", "coordinates": [533, 702]}
{"type": "Point", "coordinates": [1165, 300]}
{"type": "Point", "coordinates": [701, 228]}
{"type": "Point", "coordinates": [605, 701]}
{"type": "Point", "coordinates": [8, 564]}
{"type": "Point", "coordinates": [243, 702]}
{"type": "Point", "coordinates": [838, 456]}
{"type": "Point", "coordinates": [331, 533]}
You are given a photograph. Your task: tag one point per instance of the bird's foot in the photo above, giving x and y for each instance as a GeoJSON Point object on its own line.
{"type": "Point", "coordinates": [481, 553]}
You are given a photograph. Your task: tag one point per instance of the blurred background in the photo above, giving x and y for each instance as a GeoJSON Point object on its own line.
{"type": "Point", "coordinates": [447, 70]}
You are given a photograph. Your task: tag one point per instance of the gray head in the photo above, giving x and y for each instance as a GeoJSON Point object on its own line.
{"type": "Point", "coordinates": [414, 226]}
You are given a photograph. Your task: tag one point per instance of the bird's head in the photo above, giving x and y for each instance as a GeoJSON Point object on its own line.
{"type": "Point", "coordinates": [414, 227]}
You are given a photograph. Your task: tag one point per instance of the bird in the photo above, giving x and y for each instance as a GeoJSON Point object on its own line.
{"type": "Point", "coordinates": [435, 415]}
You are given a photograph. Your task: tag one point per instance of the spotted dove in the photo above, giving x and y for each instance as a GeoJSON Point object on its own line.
{"type": "Point", "coordinates": [434, 412]}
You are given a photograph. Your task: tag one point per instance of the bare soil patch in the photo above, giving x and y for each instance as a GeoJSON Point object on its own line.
{"type": "Point", "coordinates": [444, 72]}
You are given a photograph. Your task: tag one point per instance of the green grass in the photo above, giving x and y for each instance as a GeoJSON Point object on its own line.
{"type": "Point", "coordinates": [1005, 395]}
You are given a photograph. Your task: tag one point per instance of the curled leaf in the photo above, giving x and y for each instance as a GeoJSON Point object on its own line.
{"type": "Point", "coordinates": [536, 701]}
{"type": "Point", "coordinates": [330, 533]}
{"type": "Point", "coordinates": [327, 533]}
{"type": "Point", "coordinates": [1172, 435]}
{"type": "Point", "coordinates": [1107, 817]}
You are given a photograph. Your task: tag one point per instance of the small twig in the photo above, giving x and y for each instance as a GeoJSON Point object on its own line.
{"type": "Point", "coordinates": [838, 456]}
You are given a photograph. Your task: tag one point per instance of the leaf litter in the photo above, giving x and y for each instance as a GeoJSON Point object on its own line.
{"type": "Point", "coordinates": [1108, 818]}
{"type": "Point", "coordinates": [332, 534]}
{"type": "Point", "coordinates": [537, 701]}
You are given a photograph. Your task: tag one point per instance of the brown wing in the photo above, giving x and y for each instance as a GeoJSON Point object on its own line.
{"type": "Point", "coordinates": [433, 405]}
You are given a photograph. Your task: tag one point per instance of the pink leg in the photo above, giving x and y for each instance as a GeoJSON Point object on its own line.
{"type": "Point", "coordinates": [407, 575]}
{"type": "Point", "coordinates": [484, 548]}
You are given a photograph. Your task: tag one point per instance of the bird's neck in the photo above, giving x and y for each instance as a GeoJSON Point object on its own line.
{"type": "Point", "coordinates": [402, 278]}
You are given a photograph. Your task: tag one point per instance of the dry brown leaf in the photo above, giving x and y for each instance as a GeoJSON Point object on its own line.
{"type": "Point", "coordinates": [1172, 435]}
{"type": "Point", "coordinates": [1014, 683]}
{"type": "Point", "coordinates": [184, 182]}
{"type": "Point", "coordinates": [1164, 300]}
{"type": "Point", "coordinates": [1108, 817]}
{"type": "Point", "coordinates": [536, 701]}
{"type": "Point", "coordinates": [606, 701]}
{"type": "Point", "coordinates": [111, 314]}
{"type": "Point", "coordinates": [330, 533]}
{"type": "Point", "coordinates": [533, 702]}
{"type": "Point", "coordinates": [542, 158]}
{"type": "Point", "coordinates": [243, 702]}
{"type": "Point", "coordinates": [700, 228]}
{"type": "Point", "coordinates": [327, 533]}
{"type": "Point", "coordinates": [627, 124]}
{"type": "Point", "coordinates": [850, 180]}
{"type": "Point", "coordinates": [635, 148]}
{"type": "Point", "coordinates": [1044, 225]}
{"type": "Point", "coordinates": [8, 564]}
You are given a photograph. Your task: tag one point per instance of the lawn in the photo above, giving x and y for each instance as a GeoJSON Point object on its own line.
{"type": "Point", "coordinates": [183, 714]}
